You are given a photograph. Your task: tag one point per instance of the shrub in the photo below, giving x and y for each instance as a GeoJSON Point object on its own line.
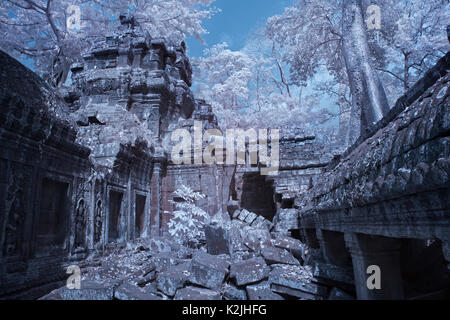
{"type": "Point", "coordinates": [188, 221]}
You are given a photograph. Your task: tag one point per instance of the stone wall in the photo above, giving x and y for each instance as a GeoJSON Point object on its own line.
{"type": "Point", "coordinates": [388, 193]}
{"type": "Point", "coordinates": [43, 184]}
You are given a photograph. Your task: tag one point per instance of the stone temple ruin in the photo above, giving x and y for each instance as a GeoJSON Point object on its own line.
{"type": "Point", "coordinates": [86, 180]}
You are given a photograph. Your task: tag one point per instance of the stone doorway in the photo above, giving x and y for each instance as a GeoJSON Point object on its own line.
{"type": "Point", "coordinates": [139, 223]}
{"type": "Point", "coordinates": [258, 196]}
{"type": "Point", "coordinates": [115, 227]}
{"type": "Point", "coordinates": [53, 217]}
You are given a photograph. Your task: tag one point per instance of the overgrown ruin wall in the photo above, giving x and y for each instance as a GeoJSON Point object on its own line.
{"type": "Point", "coordinates": [386, 200]}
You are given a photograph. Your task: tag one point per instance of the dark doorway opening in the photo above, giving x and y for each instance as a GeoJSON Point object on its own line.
{"type": "Point", "coordinates": [140, 215]}
{"type": "Point", "coordinates": [424, 270]}
{"type": "Point", "coordinates": [115, 215]}
{"type": "Point", "coordinates": [257, 196]}
{"type": "Point", "coordinates": [53, 217]}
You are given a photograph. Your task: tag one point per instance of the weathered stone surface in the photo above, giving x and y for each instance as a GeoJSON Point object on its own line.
{"type": "Point", "coordinates": [243, 215]}
{"type": "Point", "coordinates": [294, 246]}
{"type": "Point", "coordinates": [208, 271]}
{"type": "Point", "coordinates": [230, 292]}
{"type": "Point", "coordinates": [128, 291]}
{"type": "Point", "coordinates": [295, 277]}
{"type": "Point", "coordinates": [250, 218]}
{"type": "Point", "coordinates": [334, 274]}
{"type": "Point", "coordinates": [218, 240]}
{"type": "Point", "coordinates": [236, 240]}
{"type": "Point", "coordinates": [143, 280]}
{"type": "Point", "coordinates": [194, 293]}
{"type": "Point", "coordinates": [261, 291]}
{"type": "Point", "coordinates": [164, 260]}
{"type": "Point", "coordinates": [274, 255]}
{"type": "Point", "coordinates": [256, 238]}
{"type": "Point", "coordinates": [291, 292]}
{"type": "Point", "coordinates": [173, 278]}
{"type": "Point", "coordinates": [90, 290]}
{"type": "Point", "coordinates": [249, 271]}
{"type": "Point", "coordinates": [285, 220]}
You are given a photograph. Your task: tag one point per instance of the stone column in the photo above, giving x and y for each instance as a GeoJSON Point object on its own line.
{"type": "Point", "coordinates": [155, 185]}
{"type": "Point", "coordinates": [378, 251]}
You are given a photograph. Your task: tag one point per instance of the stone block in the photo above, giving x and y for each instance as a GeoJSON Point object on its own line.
{"type": "Point", "coordinates": [194, 293]}
{"type": "Point", "coordinates": [274, 255]}
{"type": "Point", "coordinates": [297, 278]}
{"type": "Point", "coordinates": [128, 291]}
{"type": "Point", "coordinates": [261, 291]}
{"type": "Point", "coordinates": [249, 271]}
{"type": "Point", "coordinates": [218, 240]}
{"type": "Point", "coordinates": [294, 246]}
{"type": "Point", "coordinates": [172, 279]}
{"type": "Point", "coordinates": [208, 271]}
{"type": "Point", "coordinates": [90, 290]}
{"type": "Point", "coordinates": [230, 292]}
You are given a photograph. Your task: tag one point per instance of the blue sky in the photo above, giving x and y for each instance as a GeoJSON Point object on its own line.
{"type": "Point", "coordinates": [235, 23]}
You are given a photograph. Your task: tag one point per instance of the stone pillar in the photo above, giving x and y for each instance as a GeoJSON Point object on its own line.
{"type": "Point", "coordinates": [378, 251]}
{"type": "Point", "coordinates": [155, 185]}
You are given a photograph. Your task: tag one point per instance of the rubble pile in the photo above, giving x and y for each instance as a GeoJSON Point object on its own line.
{"type": "Point", "coordinates": [241, 260]}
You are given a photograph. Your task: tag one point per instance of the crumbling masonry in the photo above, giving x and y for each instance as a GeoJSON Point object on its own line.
{"type": "Point", "coordinates": [91, 172]}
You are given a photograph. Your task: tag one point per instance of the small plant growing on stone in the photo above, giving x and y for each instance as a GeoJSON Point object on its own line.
{"type": "Point", "coordinates": [188, 221]}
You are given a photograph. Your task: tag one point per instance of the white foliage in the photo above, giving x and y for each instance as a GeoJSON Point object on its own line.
{"type": "Point", "coordinates": [188, 221]}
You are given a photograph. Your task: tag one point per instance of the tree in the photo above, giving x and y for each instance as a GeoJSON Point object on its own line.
{"type": "Point", "coordinates": [414, 37]}
{"type": "Point", "coordinates": [223, 78]}
{"type": "Point", "coordinates": [317, 34]}
{"type": "Point", "coordinates": [188, 221]}
{"type": "Point", "coordinates": [42, 32]}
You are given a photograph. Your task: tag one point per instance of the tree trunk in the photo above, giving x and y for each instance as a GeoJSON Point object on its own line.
{"type": "Point", "coordinates": [368, 96]}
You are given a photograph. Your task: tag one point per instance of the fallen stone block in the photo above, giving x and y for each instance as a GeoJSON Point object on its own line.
{"type": "Point", "coordinates": [172, 279]}
{"type": "Point", "coordinates": [128, 291]}
{"type": "Point", "coordinates": [250, 218]}
{"type": "Point", "coordinates": [274, 255]}
{"type": "Point", "coordinates": [255, 239]}
{"type": "Point", "coordinates": [296, 277]}
{"type": "Point", "coordinates": [294, 246]}
{"type": "Point", "coordinates": [143, 280]}
{"type": "Point", "coordinates": [236, 214]}
{"type": "Point", "coordinates": [194, 293]}
{"type": "Point", "coordinates": [249, 271]}
{"type": "Point", "coordinates": [244, 213]}
{"type": "Point", "coordinates": [208, 271]}
{"type": "Point", "coordinates": [230, 292]}
{"type": "Point", "coordinates": [286, 219]}
{"type": "Point", "coordinates": [164, 260]}
{"type": "Point", "coordinates": [218, 240]}
{"type": "Point", "coordinates": [90, 290]}
{"type": "Point", "coordinates": [261, 291]}
{"type": "Point", "coordinates": [294, 292]}
{"type": "Point", "coordinates": [266, 224]}
{"type": "Point", "coordinates": [236, 239]}
{"type": "Point", "coordinates": [258, 222]}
